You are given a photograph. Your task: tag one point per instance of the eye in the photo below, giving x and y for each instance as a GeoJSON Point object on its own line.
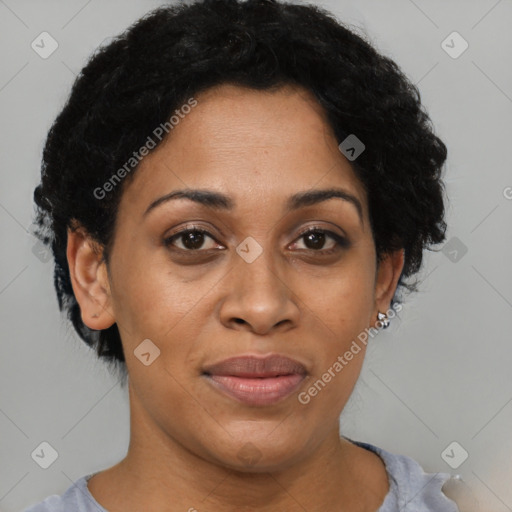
{"type": "Point", "coordinates": [315, 239]}
{"type": "Point", "coordinates": [191, 239]}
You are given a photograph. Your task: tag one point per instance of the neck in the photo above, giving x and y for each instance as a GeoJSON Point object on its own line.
{"type": "Point", "coordinates": [159, 473]}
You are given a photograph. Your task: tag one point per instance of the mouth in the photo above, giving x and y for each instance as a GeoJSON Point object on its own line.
{"type": "Point", "coordinates": [256, 380]}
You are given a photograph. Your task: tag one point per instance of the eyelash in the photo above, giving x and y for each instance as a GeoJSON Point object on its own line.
{"type": "Point", "coordinates": [341, 242]}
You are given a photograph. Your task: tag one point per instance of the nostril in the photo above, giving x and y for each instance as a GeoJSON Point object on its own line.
{"type": "Point", "coordinates": [239, 321]}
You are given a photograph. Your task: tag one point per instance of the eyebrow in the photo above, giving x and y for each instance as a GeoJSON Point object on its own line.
{"type": "Point", "coordinates": [220, 201]}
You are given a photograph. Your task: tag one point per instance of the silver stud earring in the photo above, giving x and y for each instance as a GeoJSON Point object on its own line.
{"type": "Point", "coordinates": [383, 319]}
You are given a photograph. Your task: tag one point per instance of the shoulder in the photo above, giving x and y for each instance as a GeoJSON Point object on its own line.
{"type": "Point", "coordinates": [51, 504]}
{"type": "Point", "coordinates": [410, 487]}
{"type": "Point", "coordinates": [76, 498]}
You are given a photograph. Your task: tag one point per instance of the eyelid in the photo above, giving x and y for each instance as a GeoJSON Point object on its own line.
{"type": "Point", "coordinates": [317, 227]}
{"type": "Point", "coordinates": [191, 226]}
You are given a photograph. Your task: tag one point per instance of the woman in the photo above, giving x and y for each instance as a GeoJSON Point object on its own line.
{"type": "Point", "coordinates": [235, 195]}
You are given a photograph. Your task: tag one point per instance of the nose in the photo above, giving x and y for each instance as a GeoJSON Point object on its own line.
{"type": "Point", "coordinates": [259, 298]}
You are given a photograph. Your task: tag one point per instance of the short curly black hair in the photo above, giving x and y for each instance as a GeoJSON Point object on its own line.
{"type": "Point", "coordinates": [134, 84]}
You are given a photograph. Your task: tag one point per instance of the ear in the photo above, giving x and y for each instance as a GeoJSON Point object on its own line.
{"type": "Point", "coordinates": [89, 279]}
{"type": "Point", "coordinates": [388, 274]}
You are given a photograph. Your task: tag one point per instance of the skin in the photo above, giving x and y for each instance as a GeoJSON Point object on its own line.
{"type": "Point", "coordinates": [259, 148]}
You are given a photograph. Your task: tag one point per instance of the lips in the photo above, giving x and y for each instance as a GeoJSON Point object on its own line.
{"type": "Point", "coordinates": [253, 367]}
{"type": "Point", "coordinates": [256, 380]}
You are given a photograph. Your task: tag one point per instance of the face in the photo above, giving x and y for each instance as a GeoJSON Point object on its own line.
{"type": "Point", "coordinates": [255, 272]}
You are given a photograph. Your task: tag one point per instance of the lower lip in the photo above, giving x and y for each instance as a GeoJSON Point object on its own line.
{"type": "Point", "coordinates": [263, 391]}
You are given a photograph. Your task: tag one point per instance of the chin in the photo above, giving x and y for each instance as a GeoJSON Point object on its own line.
{"type": "Point", "coordinates": [259, 457]}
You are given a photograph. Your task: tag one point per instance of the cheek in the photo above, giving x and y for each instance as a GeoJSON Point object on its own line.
{"type": "Point", "coordinates": [154, 304]}
{"type": "Point", "coordinates": [150, 298]}
{"type": "Point", "coordinates": [344, 301]}
{"type": "Point", "coordinates": [340, 317]}
{"type": "Point", "coordinates": [339, 326]}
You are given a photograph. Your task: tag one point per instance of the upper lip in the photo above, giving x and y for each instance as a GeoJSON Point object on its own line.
{"type": "Point", "coordinates": [250, 366]}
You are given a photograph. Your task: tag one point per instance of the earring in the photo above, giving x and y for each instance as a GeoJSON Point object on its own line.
{"type": "Point", "coordinates": [383, 319]}
{"type": "Point", "coordinates": [95, 315]}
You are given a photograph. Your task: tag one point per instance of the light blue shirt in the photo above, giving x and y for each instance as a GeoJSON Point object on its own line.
{"type": "Point", "coordinates": [410, 489]}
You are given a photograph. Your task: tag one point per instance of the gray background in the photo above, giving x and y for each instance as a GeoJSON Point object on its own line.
{"type": "Point", "coordinates": [440, 374]}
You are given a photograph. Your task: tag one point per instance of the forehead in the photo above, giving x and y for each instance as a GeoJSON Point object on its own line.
{"type": "Point", "coordinates": [243, 142]}
{"type": "Point", "coordinates": [253, 122]}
